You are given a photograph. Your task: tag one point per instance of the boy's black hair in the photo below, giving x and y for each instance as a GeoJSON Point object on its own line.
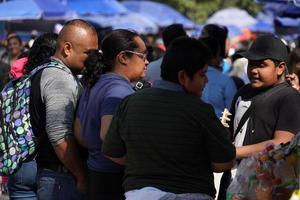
{"type": "Point", "coordinates": [186, 54]}
{"type": "Point", "coordinates": [212, 44]}
{"type": "Point", "coordinates": [219, 32]}
{"type": "Point", "coordinates": [172, 32]}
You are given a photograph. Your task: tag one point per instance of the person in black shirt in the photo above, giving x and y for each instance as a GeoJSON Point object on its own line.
{"type": "Point", "coordinates": [272, 100]}
{"type": "Point", "coordinates": [262, 110]}
{"type": "Point", "coordinates": [173, 142]}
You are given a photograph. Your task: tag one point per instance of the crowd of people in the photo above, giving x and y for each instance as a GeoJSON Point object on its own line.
{"type": "Point", "coordinates": [113, 123]}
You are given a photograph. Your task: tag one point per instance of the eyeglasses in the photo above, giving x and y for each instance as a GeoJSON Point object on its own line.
{"type": "Point", "coordinates": [142, 56]}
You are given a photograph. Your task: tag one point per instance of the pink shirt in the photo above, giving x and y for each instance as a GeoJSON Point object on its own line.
{"type": "Point", "coordinates": [17, 68]}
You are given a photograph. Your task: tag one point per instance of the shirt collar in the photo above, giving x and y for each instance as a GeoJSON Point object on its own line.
{"type": "Point", "coordinates": [213, 69]}
{"type": "Point", "coordinates": [61, 63]}
{"type": "Point", "coordinates": [167, 85]}
{"type": "Point", "coordinates": [58, 60]}
{"type": "Point", "coordinates": [115, 75]}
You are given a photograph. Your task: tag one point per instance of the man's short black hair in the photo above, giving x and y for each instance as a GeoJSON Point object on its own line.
{"type": "Point", "coordinates": [213, 44]}
{"type": "Point", "coordinates": [172, 32]}
{"type": "Point", "coordinates": [186, 54]}
{"type": "Point", "coordinates": [218, 32]}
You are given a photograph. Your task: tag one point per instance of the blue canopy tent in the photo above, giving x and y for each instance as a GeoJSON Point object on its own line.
{"type": "Point", "coordinates": [33, 10]}
{"type": "Point", "coordinates": [232, 31]}
{"type": "Point", "coordinates": [285, 21]}
{"type": "Point", "coordinates": [262, 27]}
{"type": "Point", "coordinates": [232, 17]}
{"type": "Point", "coordinates": [272, 10]}
{"type": "Point", "coordinates": [273, 1]}
{"type": "Point", "coordinates": [296, 2]}
{"type": "Point", "coordinates": [133, 21]}
{"type": "Point", "coordinates": [287, 27]}
{"type": "Point", "coordinates": [291, 11]}
{"type": "Point", "coordinates": [284, 15]}
{"type": "Point", "coordinates": [92, 7]}
{"type": "Point", "coordinates": [162, 14]}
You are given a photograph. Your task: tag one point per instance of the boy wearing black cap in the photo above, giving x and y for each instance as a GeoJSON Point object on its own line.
{"type": "Point", "coordinates": [262, 109]}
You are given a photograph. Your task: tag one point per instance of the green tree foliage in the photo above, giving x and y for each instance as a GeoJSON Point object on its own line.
{"type": "Point", "coordinates": [200, 10]}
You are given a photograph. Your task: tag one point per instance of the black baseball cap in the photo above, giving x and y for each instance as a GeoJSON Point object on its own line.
{"type": "Point", "coordinates": [266, 47]}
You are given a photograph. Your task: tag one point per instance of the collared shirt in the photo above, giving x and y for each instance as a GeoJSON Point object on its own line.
{"type": "Point", "coordinates": [219, 91]}
{"type": "Point", "coordinates": [163, 122]}
{"type": "Point", "coordinates": [167, 85]}
{"type": "Point", "coordinates": [153, 72]}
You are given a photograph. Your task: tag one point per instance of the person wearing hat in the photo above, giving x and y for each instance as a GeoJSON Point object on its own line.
{"type": "Point", "coordinates": [261, 110]}
{"type": "Point", "coordinates": [270, 98]}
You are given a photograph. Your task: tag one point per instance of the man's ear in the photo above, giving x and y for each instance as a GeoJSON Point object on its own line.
{"type": "Point", "coordinates": [67, 48]}
{"type": "Point", "coordinates": [182, 77]}
{"type": "Point", "coordinates": [281, 68]}
{"type": "Point", "coordinates": [122, 58]}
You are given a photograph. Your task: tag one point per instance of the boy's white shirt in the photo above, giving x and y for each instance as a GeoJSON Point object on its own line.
{"type": "Point", "coordinates": [240, 108]}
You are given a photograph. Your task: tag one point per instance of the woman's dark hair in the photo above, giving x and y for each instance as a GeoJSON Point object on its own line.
{"type": "Point", "coordinates": [93, 68]}
{"type": "Point", "coordinates": [186, 54]}
{"type": "Point", "coordinates": [172, 32]}
{"type": "Point", "coordinates": [101, 62]}
{"type": "Point", "coordinates": [43, 48]}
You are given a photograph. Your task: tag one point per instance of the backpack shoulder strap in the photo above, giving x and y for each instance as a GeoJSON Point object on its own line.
{"type": "Point", "coordinates": [243, 119]}
{"type": "Point", "coordinates": [255, 99]}
{"type": "Point", "coordinates": [49, 64]}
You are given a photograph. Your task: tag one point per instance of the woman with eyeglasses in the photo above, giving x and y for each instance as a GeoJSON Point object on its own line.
{"type": "Point", "coordinates": [107, 79]}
